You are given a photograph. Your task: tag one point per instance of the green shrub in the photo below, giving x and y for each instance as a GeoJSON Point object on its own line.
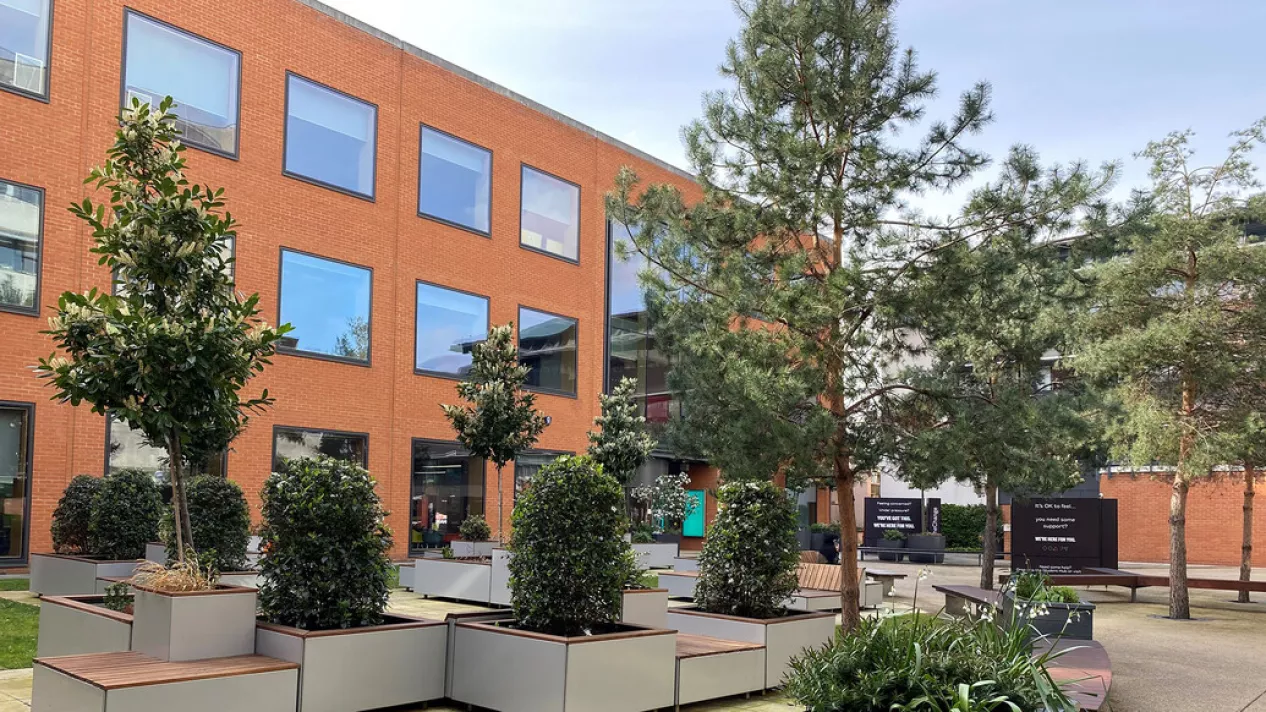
{"type": "Point", "coordinates": [569, 561]}
{"type": "Point", "coordinates": [824, 528]}
{"type": "Point", "coordinates": [748, 564]}
{"type": "Point", "coordinates": [325, 545]}
{"type": "Point", "coordinates": [1029, 583]}
{"type": "Point", "coordinates": [475, 528]}
{"type": "Point", "coordinates": [642, 534]}
{"type": "Point", "coordinates": [221, 522]}
{"type": "Point", "coordinates": [118, 596]}
{"type": "Point", "coordinates": [894, 535]}
{"type": "Point", "coordinates": [73, 514]}
{"type": "Point", "coordinates": [964, 526]}
{"type": "Point", "coordinates": [447, 553]}
{"type": "Point", "coordinates": [1062, 594]}
{"type": "Point", "coordinates": [918, 662]}
{"type": "Point", "coordinates": [125, 514]}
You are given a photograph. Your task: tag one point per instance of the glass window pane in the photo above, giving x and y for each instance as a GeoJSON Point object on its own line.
{"type": "Point", "coordinates": [550, 218]}
{"type": "Point", "coordinates": [200, 76]}
{"type": "Point", "coordinates": [330, 136]}
{"type": "Point", "coordinates": [327, 303]}
{"type": "Point", "coordinates": [627, 299]}
{"type": "Point", "coordinates": [526, 466]}
{"type": "Point", "coordinates": [454, 180]}
{"type": "Point", "coordinates": [127, 449]}
{"type": "Point", "coordinates": [20, 209]}
{"type": "Point", "coordinates": [15, 478]}
{"type": "Point", "coordinates": [547, 346]}
{"type": "Point", "coordinates": [447, 486]}
{"type": "Point", "coordinates": [294, 443]}
{"type": "Point", "coordinates": [24, 45]}
{"type": "Point", "coordinates": [450, 323]}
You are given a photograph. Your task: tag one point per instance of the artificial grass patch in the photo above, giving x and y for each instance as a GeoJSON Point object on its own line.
{"type": "Point", "coordinates": [650, 580]}
{"type": "Point", "coordinates": [15, 584]}
{"type": "Point", "coordinates": [19, 626]}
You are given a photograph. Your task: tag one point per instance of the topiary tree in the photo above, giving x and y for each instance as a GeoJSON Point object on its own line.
{"type": "Point", "coordinates": [221, 522]}
{"type": "Point", "coordinates": [748, 564]}
{"type": "Point", "coordinates": [125, 514]}
{"type": "Point", "coordinates": [325, 545]}
{"type": "Point", "coordinates": [73, 514]}
{"type": "Point", "coordinates": [570, 557]}
{"type": "Point", "coordinates": [475, 528]}
{"type": "Point", "coordinates": [621, 444]}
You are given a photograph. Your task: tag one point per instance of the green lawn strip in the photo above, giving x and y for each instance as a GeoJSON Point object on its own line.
{"type": "Point", "coordinates": [19, 625]}
{"type": "Point", "coordinates": [15, 584]}
{"type": "Point", "coordinates": [650, 580]}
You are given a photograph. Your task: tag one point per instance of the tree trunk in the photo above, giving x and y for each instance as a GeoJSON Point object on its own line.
{"type": "Point", "coordinates": [180, 504]}
{"type": "Point", "coordinates": [850, 596]}
{"type": "Point", "coordinates": [989, 546]}
{"type": "Point", "coordinates": [1246, 550]}
{"type": "Point", "coordinates": [1179, 599]}
{"type": "Point", "coordinates": [500, 537]}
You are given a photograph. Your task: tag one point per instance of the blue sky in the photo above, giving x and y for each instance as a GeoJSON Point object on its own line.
{"type": "Point", "coordinates": [1089, 79]}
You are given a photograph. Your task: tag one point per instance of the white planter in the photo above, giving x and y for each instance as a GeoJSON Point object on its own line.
{"type": "Point", "coordinates": [679, 585]}
{"type": "Point", "coordinates": [398, 663]}
{"type": "Point", "coordinates": [685, 563]}
{"type": "Point", "coordinates": [452, 578]}
{"type": "Point", "coordinates": [656, 556]}
{"type": "Point", "coordinates": [709, 671]}
{"type": "Point", "coordinates": [244, 579]}
{"type": "Point", "coordinates": [501, 668]}
{"type": "Point", "coordinates": [194, 625]}
{"type": "Point", "coordinates": [645, 607]}
{"type": "Point", "coordinates": [473, 548]}
{"type": "Point", "coordinates": [78, 625]}
{"type": "Point", "coordinates": [499, 586]}
{"type": "Point", "coordinates": [784, 638]}
{"type": "Point", "coordinates": [156, 551]}
{"type": "Point", "coordinates": [870, 595]}
{"type": "Point", "coordinates": [405, 569]}
{"type": "Point", "coordinates": [59, 575]}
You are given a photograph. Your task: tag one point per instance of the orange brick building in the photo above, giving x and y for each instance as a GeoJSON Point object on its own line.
{"type": "Point", "coordinates": [314, 124]}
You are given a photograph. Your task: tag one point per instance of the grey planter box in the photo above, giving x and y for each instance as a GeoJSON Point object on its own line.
{"type": "Point", "coordinates": [60, 575]}
{"type": "Point", "coordinates": [897, 545]}
{"type": "Point", "coordinates": [499, 584]}
{"type": "Point", "coordinates": [451, 578]}
{"type": "Point", "coordinates": [685, 563]}
{"type": "Point", "coordinates": [784, 638]}
{"type": "Point", "coordinates": [656, 556]}
{"type": "Point", "coordinates": [398, 663]}
{"type": "Point", "coordinates": [716, 674]}
{"type": "Point", "coordinates": [870, 595]}
{"type": "Point", "coordinates": [925, 548]}
{"type": "Point", "coordinates": [501, 668]}
{"type": "Point", "coordinates": [473, 548]}
{"type": "Point", "coordinates": [194, 625]}
{"type": "Point", "coordinates": [1071, 621]}
{"type": "Point", "coordinates": [156, 551]}
{"type": "Point", "coordinates": [79, 625]}
{"type": "Point", "coordinates": [245, 579]}
{"type": "Point", "coordinates": [646, 607]}
{"type": "Point", "coordinates": [679, 584]}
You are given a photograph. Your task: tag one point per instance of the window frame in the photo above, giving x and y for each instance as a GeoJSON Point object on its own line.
{"type": "Point", "coordinates": [518, 327]}
{"type": "Point", "coordinates": [424, 127]}
{"type": "Point", "coordinates": [285, 141]}
{"type": "Point", "coordinates": [34, 310]}
{"type": "Point", "coordinates": [523, 168]}
{"type": "Point", "coordinates": [292, 351]}
{"type": "Point", "coordinates": [237, 124]}
{"type": "Point", "coordinates": [25, 556]}
{"type": "Point", "coordinates": [534, 451]}
{"type": "Point", "coordinates": [302, 429]}
{"type": "Point", "coordinates": [48, 66]}
{"type": "Point", "coordinates": [105, 469]}
{"type": "Point", "coordinates": [416, 313]}
{"type": "Point", "coordinates": [413, 443]}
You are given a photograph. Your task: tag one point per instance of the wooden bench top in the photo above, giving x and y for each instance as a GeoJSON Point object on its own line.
{"type": "Point", "coordinates": [884, 574]}
{"type": "Point", "coordinates": [975, 594]}
{"type": "Point", "coordinates": [694, 646]}
{"type": "Point", "coordinates": [678, 573]}
{"type": "Point", "coordinates": [823, 577]}
{"type": "Point", "coordinates": [113, 671]}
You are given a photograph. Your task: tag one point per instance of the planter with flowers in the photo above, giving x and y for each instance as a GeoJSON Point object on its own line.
{"type": "Point", "coordinates": [1051, 612]}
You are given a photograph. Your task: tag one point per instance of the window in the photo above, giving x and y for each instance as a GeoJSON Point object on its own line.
{"type": "Point", "coordinates": [293, 443]}
{"type": "Point", "coordinates": [15, 478]}
{"type": "Point", "coordinates": [21, 218]}
{"type": "Point", "coordinates": [447, 486]}
{"type": "Point", "coordinates": [127, 449]}
{"type": "Point", "coordinates": [202, 77]}
{"type": "Point", "coordinates": [330, 137]}
{"type": "Point", "coordinates": [449, 324]}
{"type": "Point", "coordinates": [547, 346]}
{"type": "Point", "coordinates": [26, 31]}
{"type": "Point", "coordinates": [328, 304]}
{"type": "Point", "coordinates": [454, 181]}
{"type": "Point", "coordinates": [631, 351]}
{"type": "Point", "coordinates": [550, 217]}
{"type": "Point", "coordinates": [527, 464]}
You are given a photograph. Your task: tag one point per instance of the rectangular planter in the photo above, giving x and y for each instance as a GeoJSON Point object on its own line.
{"type": "Point", "coordinates": [896, 549]}
{"type": "Point", "coordinates": [645, 607]}
{"type": "Point", "coordinates": [656, 556]}
{"type": "Point", "coordinates": [473, 548]}
{"type": "Point", "coordinates": [1066, 621]}
{"type": "Point", "coordinates": [156, 551]}
{"type": "Point", "coordinates": [243, 579]}
{"type": "Point", "coordinates": [78, 625]}
{"type": "Point", "coordinates": [784, 638]}
{"type": "Point", "coordinates": [499, 585]}
{"type": "Point", "coordinates": [398, 663]}
{"type": "Point", "coordinates": [453, 578]}
{"type": "Point", "coordinates": [60, 575]}
{"type": "Point", "coordinates": [679, 585]}
{"type": "Point", "coordinates": [724, 673]}
{"type": "Point", "coordinates": [194, 625]}
{"type": "Point", "coordinates": [685, 563]}
{"type": "Point", "coordinates": [500, 668]}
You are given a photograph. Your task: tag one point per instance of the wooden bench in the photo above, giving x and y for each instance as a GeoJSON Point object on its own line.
{"type": "Point", "coordinates": [1095, 576]}
{"type": "Point", "coordinates": [1082, 668]}
{"type": "Point", "coordinates": [710, 668]}
{"type": "Point", "coordinates": [887, 578]}
{"type": "Point", "coordinates": [819, 579]}
{"type": "Point", "coordinates": [968, 600]}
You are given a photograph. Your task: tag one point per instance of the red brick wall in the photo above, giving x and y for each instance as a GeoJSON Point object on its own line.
{"type": "Point", "coordinates": [52, 145]}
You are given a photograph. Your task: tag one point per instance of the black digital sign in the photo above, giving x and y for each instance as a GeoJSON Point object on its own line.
{"type": "Point", "coordinates": [905, 514]}
{"type": "Point", "coordinates": [1063, 536]}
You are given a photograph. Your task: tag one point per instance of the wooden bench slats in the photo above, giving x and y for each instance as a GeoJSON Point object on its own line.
{"type": "Point", "coordinates": [822, 577]}
{"type": "Point", "coordinates": [974, 594]}
{"type": "Point", "coordinates": [693, 646]}
{"type": "Point", "coordinates": [112, 671]}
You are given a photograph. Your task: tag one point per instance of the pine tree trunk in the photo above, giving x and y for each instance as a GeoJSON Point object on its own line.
{"type": "Point", "coordinates": [850, 595]}
{"type": "Point", "coordinates": [1179, 598]}
{"type": "Point", "coordinates": [989, 546]}
{"type": "Point", "coordinates": [1246, 550]}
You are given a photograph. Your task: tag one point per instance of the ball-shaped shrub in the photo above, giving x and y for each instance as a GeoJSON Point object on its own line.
{"type": "Point", "coordinates": [221, 522]}
{"type": "Point", "coordinates": [475, 528]}
{"type": "Point", "coordinates": [325, 545]}
{"type": "Point", "coordinates": [748, 564]}
{"type": "Point", "coordinates": [73, 514]}
{"type": "Point", "coordinates": [568, 545]}
{"type": "Point", "coordinates": [125, 515]}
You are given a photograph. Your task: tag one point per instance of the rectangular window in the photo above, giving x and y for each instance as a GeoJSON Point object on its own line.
{"type": "Point", "coordinates": [449, 324]}
{"type": "Point", "coordinates": [631, 349]}
{"type": "Point", "coordinates": [327, 302]}
{"type": "Point", "coordinates": [25, 37]}
{"type": "Point", "coordinates": [330, 137]}
{"type": "Point", "coordinates": [21, 221]}
{"type": "Point", "coordinates": [15, 479]}
{"type": "Point", "coordinates": [127, 449]}
{"type": "Point", "coordinates": [549, 220]}
{"type": "Point", "coordinates": [294, 443]}
{"type": "Point", "coordinates": [454, 181]}
{"type": "Point", "coordinates": [527, 464]}
{"type": "Point", "coordinates": [547, 346]}
{"type": "Point", "coordinates": [447, 486]}
{"type": "Point", "coordinates": [201, 76]}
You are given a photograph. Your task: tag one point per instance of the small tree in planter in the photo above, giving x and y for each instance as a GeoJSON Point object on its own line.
{"type": "Point", "coordinates": [475, 528]}
{"type": "Point", "coordinates": [621, 443]}
{"type": "Point", "coordinates": [73, 514]}
{"type": "Point", "coordinates": [221, 523]}
{"type": "Point", "coordinates": [748, 564]}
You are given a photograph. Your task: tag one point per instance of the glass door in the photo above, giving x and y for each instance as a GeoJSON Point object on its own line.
{"type": "Point", "coordinates": [15, 480]}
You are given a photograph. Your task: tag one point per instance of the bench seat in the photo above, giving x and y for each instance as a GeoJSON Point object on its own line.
{"type": "Point", "coordinates": [968, 600]}
{"type": "Point", "coordinates": [711, 668]}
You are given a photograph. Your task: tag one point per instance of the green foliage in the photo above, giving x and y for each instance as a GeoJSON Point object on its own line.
{"type": "Point", "coordinates": [963, 525]}
{"type": "Point", "coordinates": [325, 545]}
{"type": "Point", "coordinates": [824, 528]}
{"type": "Point", "coordinates": [125, 515]}
{"type": "Point", "coordinates": [621, 443]}
{"type": "Point", "coordinates": [569, 561]}
{"type": "Point", "coordinates": [918, 662]}
{"type": "Point", "coordinates": [894, 535]}
{"type": "Point", "coordinates": [447, 553]}
{"type": "Point", "coordinates": [667, 502]}
{"type": "Point", "coordinates": [73, 513]}
{"type": "Point", "coordinates": [475, 528]}
{"type": "Point", "coordinates": [118, 596]}
{"type": "Point", "coordinates": [221, 522]}
{"type": "Point", "coordinates": [642, 534]}
{"type": "Point", "coordinates": [748, 564]}
{"type": "Point", "coordinates": [19, 629]}
{"type": "Point", "coordinates": [1036, 586]}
